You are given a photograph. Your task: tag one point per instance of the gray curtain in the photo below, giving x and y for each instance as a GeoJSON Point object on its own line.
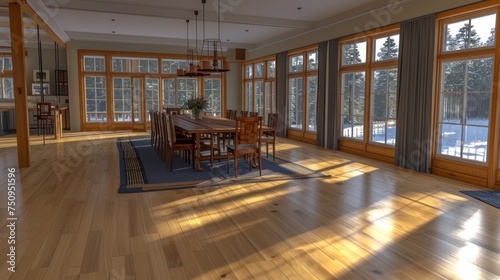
{"type": "Point", "coordinates": [415, 73]}
{"type": "Point", "coordinates": [281, 93]}
{"type": "Point", "coordinates": [332, 140]}
{"type": "Point", "coordinates": [321, 97]}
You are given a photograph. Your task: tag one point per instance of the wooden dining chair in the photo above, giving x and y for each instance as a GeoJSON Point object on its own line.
{"type": "Point", "coordinates": [44, 117]}
{"type": "Point", "coordinates": [244, 113]}
{"type": "Point", "coordinates": [268, 136]}
{"type": "Point", "coordinates": [246, 143]}
{"type": "Point", "coordinates": [154, 132]}
{"type": "Point", "coordinates": [174, 144]}
{"type": "Point", "coordinates": [253, 114]}
{"type": "Point", "coordinates": [231, 114]}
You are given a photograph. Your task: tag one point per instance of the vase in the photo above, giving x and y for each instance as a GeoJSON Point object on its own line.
{"type": "Point", "coordinates": [196, 114]}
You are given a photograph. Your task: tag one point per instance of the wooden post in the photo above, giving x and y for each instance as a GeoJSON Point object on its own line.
{"type": "Point", "coordinates": [19, 74]}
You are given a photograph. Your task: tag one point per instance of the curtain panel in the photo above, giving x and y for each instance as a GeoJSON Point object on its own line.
{"type": "Point", "coordinates": [414, 100]}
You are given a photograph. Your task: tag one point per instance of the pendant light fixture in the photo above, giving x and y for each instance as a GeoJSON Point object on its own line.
{"type": "Point", "coordinates": [192, 62]}
{"type": "Point", "coordinates": [212, 57]}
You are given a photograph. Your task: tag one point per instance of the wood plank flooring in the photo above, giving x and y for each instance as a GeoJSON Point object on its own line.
{"type": "Point", "coordinates": [368, 220]}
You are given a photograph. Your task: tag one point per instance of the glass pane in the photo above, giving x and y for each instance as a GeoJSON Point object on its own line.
{"type": "Point", "coordinates": [387, 48]}
{"type": "Point", "coordinates": [379, 106]}
{"type": "Point", "coordinates": [379, 131]}
{"type": "Point", "coordinates": [479, 75]}
{"type": "Point", "coordinates": [271, 69]}
{"type": "Point", "coordinates": [451, 105]}
{"type": "Point", "coordinates": [454, 76]}
{"type": "Point", "coordinates": [259, 70]}
{"type": "Point", "coordinates": [471, 33]}
{"type": "Point", "coordinates": [354, 53]}
{"type": "Point", "coordinates": [477, 109]}
{"type": "Point", "coordinates": [295, 105]}
{"type": "Point", "coordinates": [312, 87]}
{"type": "Point", "coordinates": [248, 96]}
{"type": "Point", "coordinates": [248, 71]}
{"type": "Point", "coordinates": [475, 143]}
{"type": "Point", "coordinates": [296, 63]}
{"type": "Point", "coordinates": [312, 61]}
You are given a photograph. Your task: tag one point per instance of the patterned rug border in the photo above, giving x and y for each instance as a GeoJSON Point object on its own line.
{"type": "Point", "coordinates": [128, 157]}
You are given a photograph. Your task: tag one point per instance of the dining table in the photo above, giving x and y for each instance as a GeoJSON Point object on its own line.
{"type": "Point", "coordinates": [206, 125]}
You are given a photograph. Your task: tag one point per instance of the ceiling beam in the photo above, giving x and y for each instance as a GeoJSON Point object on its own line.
{"type": "Point", "coordinates": [42, 16]}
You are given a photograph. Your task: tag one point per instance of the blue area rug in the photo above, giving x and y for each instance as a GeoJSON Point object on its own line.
{"type": "Point", "coordinates": [490, 197]}
{"type": "Point", "coordinates": [141, 169]}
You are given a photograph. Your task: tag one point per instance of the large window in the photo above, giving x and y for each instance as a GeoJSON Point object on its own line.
{"type": "Point", "coordinates": [107, 93]}
{"type": "Point", "coordinates": [259, 87]}
{"type": "Point", "coordinates": [302, 92]}
{"type": "Point", "coordinates": [466, 87]}
{"type": "Point", "coordinates": [95, 99]}
{"type": "Point", "coordinates": [369, 88]}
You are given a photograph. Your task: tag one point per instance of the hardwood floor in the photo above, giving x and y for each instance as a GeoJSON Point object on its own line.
{"type": "Point", "coordinates": [369, 220]}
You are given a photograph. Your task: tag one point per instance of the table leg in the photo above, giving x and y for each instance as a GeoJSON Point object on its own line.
{"type": "Point", "coordinates": [197, 147]}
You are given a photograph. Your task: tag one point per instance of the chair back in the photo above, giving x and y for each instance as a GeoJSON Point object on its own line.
{"type": "Point", "coordinates": [231, 114]}
{"type": "Point", "coordinates": [253, 114]}
{"type": "Point", "coordinates": [244, 114]}
{"type": "Point", "coordinates": [248, 130]}
{"type": "Point", "coordinates": [272, 120]}
{"type": "Point", "coordinates": [173, 111]}
{"type": "Point", "coordinates": [169, 123]}
{"type": "Point", "coordinates": [43, 108]}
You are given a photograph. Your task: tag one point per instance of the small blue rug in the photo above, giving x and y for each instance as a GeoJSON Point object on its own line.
{"type": "Point", "coordinates": [490, 197]}
{"type": "Point", "coordinates": [141, 169]}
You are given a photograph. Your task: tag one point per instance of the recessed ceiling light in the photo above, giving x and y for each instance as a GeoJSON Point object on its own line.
{"type": "Point", "coordinates": [113, 32]}
{"type": "Point", "coordinates": [299, 8]}
{"type": "Point", "coordinates": [246, 30]}
{"type": "Point", "coordinates": [113, 19]}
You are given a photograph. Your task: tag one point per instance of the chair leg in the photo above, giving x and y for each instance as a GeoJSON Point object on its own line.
{"type": "Point", "coordinates": [274, 152]}
{"type": "Point", "coordinates": [235, 166]}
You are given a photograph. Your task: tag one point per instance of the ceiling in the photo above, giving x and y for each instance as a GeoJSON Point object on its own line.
{"type": "Point", "coordinates": [247, 24]}
{"type": "Point", "coordinates": [243, 23]}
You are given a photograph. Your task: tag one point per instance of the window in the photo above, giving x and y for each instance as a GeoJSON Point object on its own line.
{"type": "Point", "coordinates": [170, 66]}
{"type": "Point", "coordinates": [177, 91]}
{"type": "Point", "coordinates": [135, 65]}
{"type": "Point", "coordinates": [295, 90]}
{"type": "Point", "coordinates": [169, 100]}
{"type": "Point", "coordinates": [249, 96]}
{"type": "Point", "coordinates": [259, 87]}
{"type": "Point", "coordinates": [94, 63]}
{"type": "Point", "coordinates": [152, 95]}
{"type": "Point", "coordinates": [353, 104]}
{"type": "Point", "coordinates": [466, 86]}
{"type": "Point", "coordinates": [212, 93]}
{"type": "Point", "coordinates": [370, 108]}
{"type": "Point", "coordinates": [354, 53]}
{"type": "Point", "coordinates": [471, 33]}
{"type": "Point", "coordinates": [302, 93]}
{"type": "Point", "coordinates": [383, 106]}
{"type": "Point", "coordinates": [95, 99]}
{"type": "Point", "coordinates": [465, 97]}
{"type": "Point", "coordinates": [386, 48]}
{"type": "Point", "coordinates": [122, 100]}
{"type": "Point", "coordinates": [7, 88]}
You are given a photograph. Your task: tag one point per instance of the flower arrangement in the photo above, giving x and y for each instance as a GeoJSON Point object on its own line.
{"type": "Point", "coordinates": [197, 105]}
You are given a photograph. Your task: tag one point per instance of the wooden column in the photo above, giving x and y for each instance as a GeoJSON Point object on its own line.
{"type": "Point", "coordinates": [19, 74]}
